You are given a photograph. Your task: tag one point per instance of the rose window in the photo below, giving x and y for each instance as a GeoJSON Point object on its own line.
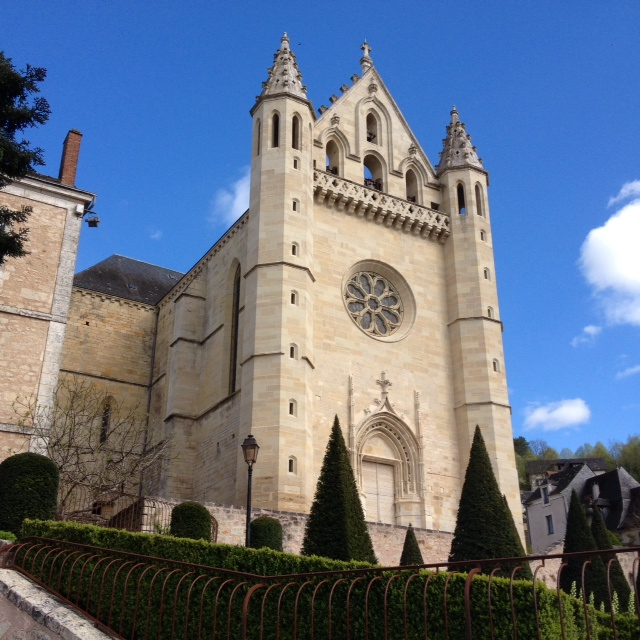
{"type": "Point", "coordinates": [373, 303]}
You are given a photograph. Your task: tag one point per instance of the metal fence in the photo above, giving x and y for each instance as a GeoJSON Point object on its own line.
{"type": "Point", "coordinates": [134, 596]}
{"type": "Point", "coordinates": [120, 510]}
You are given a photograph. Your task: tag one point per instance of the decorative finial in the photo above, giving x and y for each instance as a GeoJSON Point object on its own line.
{"type": "Point", "coordinates": [365, 61]}
{"type": "Point", "coordinates": [285, 42]}
{"type": "Point", "coordinates": [284, 75]}
{"type": "Point", "coordinates": [458, 150]}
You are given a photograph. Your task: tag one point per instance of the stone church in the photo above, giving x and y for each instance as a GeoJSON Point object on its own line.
{"type": "Point", "coordinates": [359, 283]}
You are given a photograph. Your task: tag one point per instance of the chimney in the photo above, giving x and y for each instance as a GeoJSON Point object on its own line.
{"type": "Point", "coordinates": [70, 153]}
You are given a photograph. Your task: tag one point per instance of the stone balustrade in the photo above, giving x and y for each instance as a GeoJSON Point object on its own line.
{"type": "Point", "coordinates": [382, 208]}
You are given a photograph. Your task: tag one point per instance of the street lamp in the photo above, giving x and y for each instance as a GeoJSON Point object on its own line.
{"type": "Point", "coordinates": [250, 452]}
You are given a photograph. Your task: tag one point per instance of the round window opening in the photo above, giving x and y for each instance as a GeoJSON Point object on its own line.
{"type": "Point", "coordinates": [374, 304]}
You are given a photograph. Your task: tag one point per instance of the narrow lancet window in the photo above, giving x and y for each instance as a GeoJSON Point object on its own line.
{"type": "Point", "coordinates": [462, 207]}
{"type": "Point", "coordinates": [295, 132]}
{"type": "Point", "coordinates": [275, 130]}
{"type": "Point", "coordinates": [235, 320]}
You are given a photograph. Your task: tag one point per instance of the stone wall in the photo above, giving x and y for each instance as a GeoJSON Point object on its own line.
{"type": "Point", "coordinates": [387, 539]}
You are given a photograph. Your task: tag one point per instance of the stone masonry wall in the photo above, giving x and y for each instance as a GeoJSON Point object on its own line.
{"type": "Point", "coordinates": [387, 539]}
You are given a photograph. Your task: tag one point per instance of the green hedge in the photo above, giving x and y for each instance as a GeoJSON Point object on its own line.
{"type": "Point", "coordinates": [117, 603]}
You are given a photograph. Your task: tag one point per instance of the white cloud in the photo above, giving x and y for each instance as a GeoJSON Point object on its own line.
{"type": "Point", "coordinates": [557, 415]}
{"type": "Point", "coordinates": [587, 336]}
{"type": "Point", "coordinates": [631, 371]}
{"type": "Point", "coordinates": [156, 234]}
{"type": "Point", "coordinates": [628, 190]}
{"type": "Point", "coordinates": [231, 202]}
{"type": "Point", "coordinates": [610, 262]}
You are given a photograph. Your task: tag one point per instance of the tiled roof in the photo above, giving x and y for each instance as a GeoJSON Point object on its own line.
{"type": "Point", "coordinates": [558, 482]}
{"type": "Point", "coordinates": [127, 278]}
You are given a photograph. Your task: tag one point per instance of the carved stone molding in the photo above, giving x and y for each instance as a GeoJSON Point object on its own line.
{"type": "Point", "coordinates": [356, 199]}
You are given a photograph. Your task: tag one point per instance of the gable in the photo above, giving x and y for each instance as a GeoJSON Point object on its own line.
{"type": "Point", "coordinates": [365, 127]}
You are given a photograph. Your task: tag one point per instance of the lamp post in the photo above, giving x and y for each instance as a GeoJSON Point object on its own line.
{"type": "Point", "coordinates": [250, 452]}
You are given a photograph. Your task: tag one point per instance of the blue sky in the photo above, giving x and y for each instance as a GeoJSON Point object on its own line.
{"type": "Point", "coordinates": [549, 92]}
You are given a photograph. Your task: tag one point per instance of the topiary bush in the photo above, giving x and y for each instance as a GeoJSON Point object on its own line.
{"type": "Point", "coordinates": [266, 532]}
{"type": "Point", "coordinates": [411, 554]}
{"type": "Point", "coordinates": [28, 489]}
{"type": "Point", "coordinates": [8, 536]}
{"type": "Point", "coordinates": [191, 520]}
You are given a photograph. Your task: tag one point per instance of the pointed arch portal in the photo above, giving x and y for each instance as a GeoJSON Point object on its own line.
{"type": "Point", "coordinates": [387, 466]}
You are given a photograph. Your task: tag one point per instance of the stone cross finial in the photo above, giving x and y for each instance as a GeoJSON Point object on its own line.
{"type": "Point", "coordinates": [365, 61]}
{"type": "Point", "coordinates": [384, 384]}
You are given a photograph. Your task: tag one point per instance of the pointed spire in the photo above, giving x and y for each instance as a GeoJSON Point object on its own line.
{"type": "Point", "coordinates": [284, 75]}
{"type": "Point", "coordinates": [366, 62]}
{"type": "Point", "coordinates": [458, 150]}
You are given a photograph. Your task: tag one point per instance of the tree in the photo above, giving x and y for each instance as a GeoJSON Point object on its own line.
{"type": "Point", "coordinates": [411, 554]}
{"type": "Point", "coordinates": [20, 109]}
{"type": "Point", "coordinates": [619, 583]}
{"type": "Point", "coordinates": [578, 537]}
{"type": "Point", "coordinates": [336, 527]}
{"type": "Point", "coordinates": [521, 446]}
{"type": "Point", "coordinates": [485, 528]}
{"type": "Point", "coordinates": [100, 446]}
{"type": "Point", "coordinates": [28, 487]}
{"type": "Point", "coordinates": [542, 450]}
{"type": "Point", "coordinates": [627, 455]}
{"type": "Point", "coordinates": [566, 454]}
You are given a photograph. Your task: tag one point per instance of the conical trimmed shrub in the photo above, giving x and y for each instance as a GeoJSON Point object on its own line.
{"type": "Point", "coordinates": [579, 538]}
{"type": "Point", "coordinates": [28, 489]}
{"type": "Point", "coordinates": [411, 554]}
{"type": "Point", "coordinates": [619, 583]}
{"type": "Point", "coordinates": [485, 528]}
{"type": "Point", "coordinates": [336, 527]}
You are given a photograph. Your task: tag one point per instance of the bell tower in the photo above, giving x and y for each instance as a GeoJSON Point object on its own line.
{"type": "Point", "coordinates": [474, 322]}
{"type": "Point", "coordinates": [277, 358]}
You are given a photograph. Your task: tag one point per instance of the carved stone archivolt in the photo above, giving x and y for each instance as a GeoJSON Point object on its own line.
{"type": "Point", "coordinates": [402, 448]}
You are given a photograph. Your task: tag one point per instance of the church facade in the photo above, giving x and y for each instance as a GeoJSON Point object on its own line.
{"type": "Point", "coordinates": [359, 283]}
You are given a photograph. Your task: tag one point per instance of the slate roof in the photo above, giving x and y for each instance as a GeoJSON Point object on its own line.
{"type": "Point", "coordinates": [614, 495]}
{"type": "Point", "coordinates": [127, 278]}
{"type": "Point", "coordinates": [558, 482]}
{"type": "Point", "coordinates": [541, 466]}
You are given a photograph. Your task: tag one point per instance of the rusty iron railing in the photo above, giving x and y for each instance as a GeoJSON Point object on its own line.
{"type": "Point", "coordinates": [144, 597]}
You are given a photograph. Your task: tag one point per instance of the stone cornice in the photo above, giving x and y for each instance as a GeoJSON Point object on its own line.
{"type": "Point", "coordinates": [195, 271]}
{"type": "Point", "coordinates": [144, 385]}
{"type": "Point", "coordinates": [106, 297]}
{"type": "Point", "coordinates": [382, 208]}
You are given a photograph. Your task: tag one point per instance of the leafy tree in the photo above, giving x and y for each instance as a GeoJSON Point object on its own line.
{"type": "Point", "coordinates": [521, 446]}
{"type": "Point", "coordinates": [411, 554]}
{"type": "Point", "coordinates": [336, 527]}
{"type": "Point", "coordinates": [191, 520]}
{"type": "Point", "coordinates": [485, 528]}
{"type": "Point", "coordinates": [28, 488]}
{"type": "Point", "coordinates": [627, 455]}
{"type": "Point", "coordinates": [566, 454]}
{"type": "Point", "coordinates": [100, 446]}
{"type": "Point", "coordinates": [619, 583]}
{"type": "Point", "coordinates": [20, 109]}
{"type": "Point", "coordinates": [542, 450]}
{"type": "Point", "coordinates": [578, 537]}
